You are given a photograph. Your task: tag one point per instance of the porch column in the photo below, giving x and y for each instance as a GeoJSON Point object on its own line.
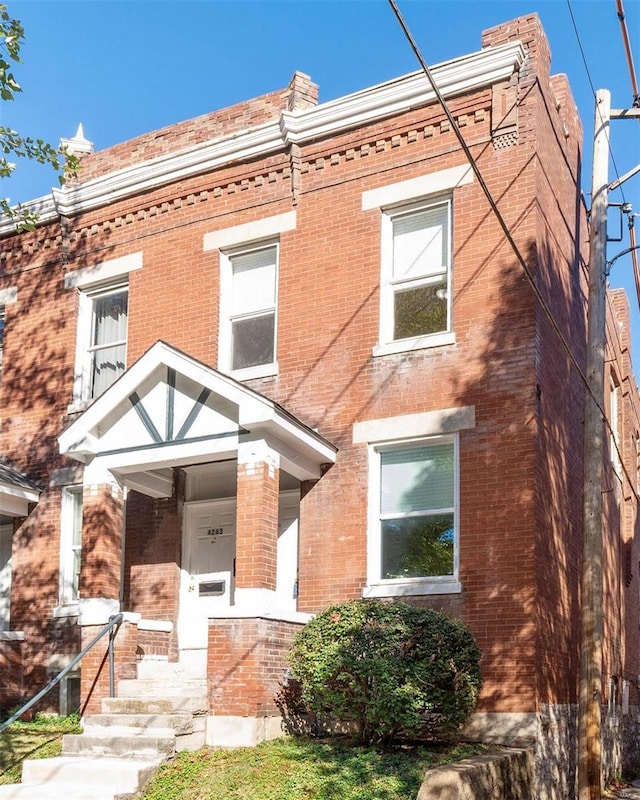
{"type": "Point", "coordinates": [257, 524]}
{"type": "Point", "coordinates": [102, 529]}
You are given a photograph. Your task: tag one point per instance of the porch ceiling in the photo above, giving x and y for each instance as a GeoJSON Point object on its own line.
{"type": "Point", "coordinates": [169, 410]}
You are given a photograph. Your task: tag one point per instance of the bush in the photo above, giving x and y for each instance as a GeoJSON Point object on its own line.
{"type": "Point", "coordinates": [393, 670]}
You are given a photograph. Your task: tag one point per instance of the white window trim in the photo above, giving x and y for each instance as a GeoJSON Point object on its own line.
{"type": "Point", "coordinates": [250, 232]}
{"type": "Point", "coordinates": [224, 336]}
{"type": "Point", "coordinates": [103, 277]}
{"type": "Point", "coordinates": [387, 345]}
{"type": "Point", "coordinates": [67, 605]}
{"type": "Point", "coordinates": [116, 269]}
{"type": "Point", "coordinates": [440, 182]}
{"type": "Point", "coordinates": [388, 199]}
{"type": "Point", "coordinates": [378, 587]}
{"type": "Point", "coordinates": [82, 374]}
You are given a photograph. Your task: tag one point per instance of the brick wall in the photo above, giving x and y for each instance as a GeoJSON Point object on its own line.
{"type": "Point", "coordinates": [520, 466]}
{"type": "Point", "coordinates": [247, 660]}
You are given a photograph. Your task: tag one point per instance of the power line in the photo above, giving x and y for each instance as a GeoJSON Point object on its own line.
{"type": "Point", "coordinates": [505, 228]}
{"type": "Point", "coordinates": [593, 91]}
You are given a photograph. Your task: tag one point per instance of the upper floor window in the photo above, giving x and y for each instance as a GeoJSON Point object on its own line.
{"type": "Point", "coordinates": [416, 243]}
{"type": "Point", "coordinates": [103, 312]}
{"type": "Point", "coordinates": [107, 349]}
{"type": "Point", "coordinates": [249, 305]}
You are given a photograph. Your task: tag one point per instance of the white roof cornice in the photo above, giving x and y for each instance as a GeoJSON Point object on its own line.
{"type": "Point", "coordinates": [460, 75]}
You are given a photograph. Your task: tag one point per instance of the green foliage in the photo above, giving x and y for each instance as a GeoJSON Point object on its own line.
{"type": "Point", "coordinates": [13, 144]}
{"type": "Point", "coordinates": [41, 738]}
{"type": "Point", "coordinates": [392, 670]}
{"type": "Point", "coordinates": [300, 769]}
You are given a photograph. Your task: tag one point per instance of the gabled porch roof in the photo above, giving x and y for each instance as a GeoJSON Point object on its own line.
{"type": "Point", "coordinates": [16, 492]}
{"type": "Point", "coordinates": [170, 410]}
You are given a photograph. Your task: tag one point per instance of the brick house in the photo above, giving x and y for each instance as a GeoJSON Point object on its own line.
{"type": "Point", "coordinates": [281, 355]}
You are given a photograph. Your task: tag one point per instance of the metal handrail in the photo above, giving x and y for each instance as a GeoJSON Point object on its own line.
{"type": "Point", "coordinates": [114, 620]}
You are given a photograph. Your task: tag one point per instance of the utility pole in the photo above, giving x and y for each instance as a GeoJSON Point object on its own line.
{"type": "Point", "coordinates": [589, 707]}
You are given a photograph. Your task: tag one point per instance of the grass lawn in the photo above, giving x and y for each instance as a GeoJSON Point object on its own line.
{"type": "Point", "coordinates": [41, 738]}
{"type": "Point", "coordinates": [301, 769]}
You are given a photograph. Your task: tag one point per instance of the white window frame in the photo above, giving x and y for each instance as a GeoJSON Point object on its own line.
{"type": "Point", "coordinates": [398, 587]}
{"type": "Point", "coordinates": [82, 390]}
{"type": "Point", "coordinates": [389, 286]}
{"type": "Point", "coordinates": [112, 275]}
{"type": "Point", "coordinates": [226, 318]}
{"type": "Point", "coordinates": [68, 601]}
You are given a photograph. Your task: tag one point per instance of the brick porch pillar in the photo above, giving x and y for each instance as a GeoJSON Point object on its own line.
{"type": "Point", "coordinates": [256, 525]}
{"type": "Point", "coordinates": [100, 579]}
{"type": "Point", "coordinates": [102, 526]}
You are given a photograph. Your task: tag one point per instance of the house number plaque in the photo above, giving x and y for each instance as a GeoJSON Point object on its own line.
{"type": "Point", "coordinates": [213, 532]}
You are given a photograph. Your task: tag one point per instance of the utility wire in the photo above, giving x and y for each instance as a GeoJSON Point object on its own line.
{"type": "Point", "coordinates": [505, 228]}
{"type": "Point", "coordinates": [593, 91]}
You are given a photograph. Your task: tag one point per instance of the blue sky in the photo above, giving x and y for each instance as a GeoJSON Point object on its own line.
{"type": "Point", "coordinates": [124, 68]}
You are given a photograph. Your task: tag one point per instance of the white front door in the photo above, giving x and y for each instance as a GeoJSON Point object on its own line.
{"type": "Point", "coordinates": [207, 576]}
{"type": "Point", "coordinates": [6, 535]}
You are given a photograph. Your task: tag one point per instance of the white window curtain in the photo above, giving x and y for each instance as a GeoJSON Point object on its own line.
{"type": "Point", "coordinates": [109, 340]}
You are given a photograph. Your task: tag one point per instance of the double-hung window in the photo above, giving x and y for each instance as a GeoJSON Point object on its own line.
{"type": "Point", "coordinates": [103, 312]}
{"type": "Point", "coordinates": [413, 537]}
{"type": "Point", "coordinates": [416, 296]}
{"type": "Point", "coordinates": [107, 350]}
{"type": "Point", "coordinates": [249, 300]}
{"type": "Point", "coordinates": [70, 544]}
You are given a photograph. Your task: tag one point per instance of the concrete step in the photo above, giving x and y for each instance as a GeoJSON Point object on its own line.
{"type": "Point", "coordinates": [115, 775]}
{"type": "Point", "coordinates": [197, 704]}
{"type": "Point", "coordinates": [52, 791]}
{"type": "Point", "coordinates": [139, 746]}
{"type": "Point", "coordinates": [120, 724]}
{"type": "Point", "coordinates": [162, 688]}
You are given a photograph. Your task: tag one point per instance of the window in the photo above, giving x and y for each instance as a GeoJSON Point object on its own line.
{"type": "Point", "coordinates": [108, 348]}
{"type": "Point", "coordinates": [70, 544]}
{"type": "Point", "coordinates": [413, 535]}
{"type": "Point", "coordinates": [416, 267]}
{"type": "Point", "coordinates": [101, 349]}
{"type": "Point", "coordinates": [102, 339]}
{"type": "Point", "coordinates": [248, 321]}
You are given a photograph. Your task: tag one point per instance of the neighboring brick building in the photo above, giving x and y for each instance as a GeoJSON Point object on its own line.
{"type": "Point", "coordinates": [282, 355]}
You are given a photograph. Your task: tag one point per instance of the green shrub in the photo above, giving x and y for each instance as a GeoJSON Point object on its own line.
{"type": "Point", "coordinates": [390, 669]}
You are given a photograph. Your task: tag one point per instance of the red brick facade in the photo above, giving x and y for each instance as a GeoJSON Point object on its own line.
{"type": "Point", "coordinates": [520, 451]}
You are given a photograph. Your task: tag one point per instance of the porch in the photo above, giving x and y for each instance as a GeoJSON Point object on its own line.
{"type": "Point", "coordinates": [191, 506]}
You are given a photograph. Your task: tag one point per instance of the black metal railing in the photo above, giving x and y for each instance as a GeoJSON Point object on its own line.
{"type": "Point", "coordinates": [109, 628]}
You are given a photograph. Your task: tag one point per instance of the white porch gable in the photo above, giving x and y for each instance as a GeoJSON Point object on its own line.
{"type": "Point", "coordinates": [169, 410]}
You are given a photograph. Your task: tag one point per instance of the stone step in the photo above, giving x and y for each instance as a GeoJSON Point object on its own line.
{"type": "Point", "coordinates": [195, 704]}
{"type": "Point", "coordinates": [115, 775]}
{"type": "Point", "coordinates": [139, 746]}
{"type": "Point", "coordinates": [52, 790]}
{"type": "Point", "coordinates": [161, 688]}
{"type": "Point", "coordinates": [120, 724]}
